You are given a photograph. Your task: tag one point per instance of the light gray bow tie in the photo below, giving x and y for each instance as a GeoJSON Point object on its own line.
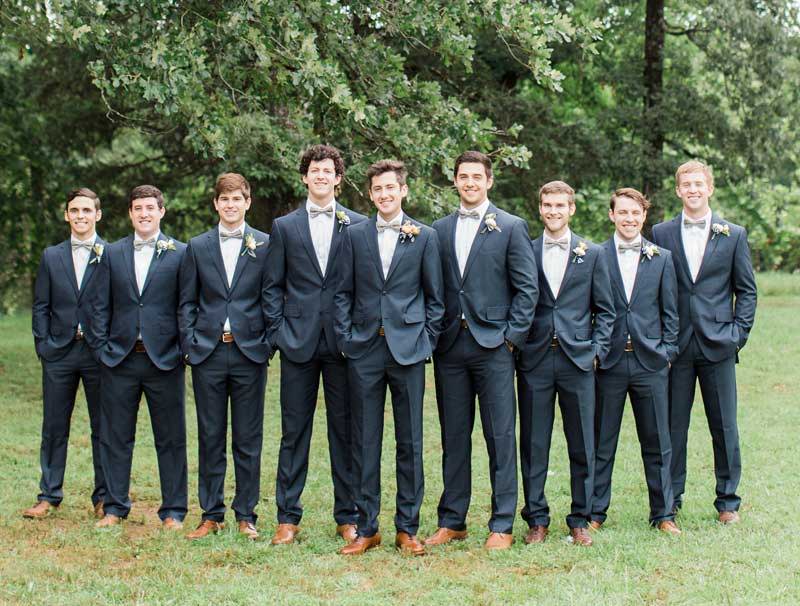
{"type": "Point", "coordinates": [701, 224]}
{"type": "Point", "coordinates": [140, 244]}
{"type": "Point", "coordinates": [315, 212]}
{"type": "Point", "coordinates": [79, 245]}
{"type": "Point", "coordinates": [468, 214]}
{"type": "Point", "coordinates": [622, 247]}
{"type": "Point", "coordinates": [233, 235]}
{"type": "Point", "coordinates": [563, 243]}
{"type": "Point", "coordinates": [382, 227]}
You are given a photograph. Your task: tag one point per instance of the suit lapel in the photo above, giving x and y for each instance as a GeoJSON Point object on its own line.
{"type": "Point", "coordinates": [571, 261]}
{"type": "Point", "coordinates": [90, 267]}
{"type": "Point", "coordinates": [336, 239]}
{"type": "Point", "coordinates": [244, 257]}
{"type": "Point", "coordinates": [538, 248]}
{"type": "Point", "coordinates": [304, 231]}
{"type": "Point", "coordinates": [616, 271]}
{"type": "Point", "coordinates": [711, 245]}
{"type": "Point", "coordinates": [677, 245]}
{"type": "Point", "coordinates": [155, 262]}
{"type": "Point", "coordinates": [215, 250]}
{"type": "Point", "coordinates": [371, 239]}
{"type": "Point", "coordinates": [480, 238]}
{"type": "Point", "coordinates": [65, 253]}
{"type": "Point", "coordinates": [130, 265]}
{"type": "Point", "coordinates": [399, 251]}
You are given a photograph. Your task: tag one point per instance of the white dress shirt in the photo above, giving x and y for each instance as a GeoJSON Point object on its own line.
{"type": "Point", "coordinates": [387, 241]}
{"type": "Point", "coordinates": [231, 249]}
{"type": "Point", "coordinates": [466, 230]}
{"type": "Point", "coordinates": [142, 259]}
{"type": "Point", "coordinates": [694, 242]}
{"type": "Point", "coordinates": [554, 261]}
{"type": "Point", "coordinates": [628, 261]}
{"type": "Point", "coordinates": [321, 227]}
{"type": "Point", "coordinates": [80, 261]}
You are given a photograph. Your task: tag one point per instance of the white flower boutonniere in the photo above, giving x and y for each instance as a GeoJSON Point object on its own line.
{"type": "Point", "coordinates": [649, 252]}
{"type": "Point", "coordinates": [580, 252]}
{"type": "Point", "coordinates": [250, 245]}
{"type": "Point", "coordinates": [720, 228]}
{"type": "Point", "coordinates": [342, 218]}
{"type": "Point", "coordinates": [98, 252]}
{"type": "Point", "coordinates": [490, 220]}
{"type": "Point", "coordinates": [163, 245]}
{"type": "Point", "coordinates": [409, 231]}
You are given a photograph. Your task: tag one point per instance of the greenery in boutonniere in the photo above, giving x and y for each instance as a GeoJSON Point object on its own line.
{"type": "Point", "coordinates": [250, 245]}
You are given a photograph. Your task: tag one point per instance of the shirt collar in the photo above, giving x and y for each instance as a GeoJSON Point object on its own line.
{"type": "Point", "coordinates": [74, 240]}
{"type": "Point", "coordinates": [618, 240]}
{"type": "Point", "coordinates": [481, 209]}
{"type": "Point", "coordinates": [310, 205]}
{"type": "Point", "coordinates": [241, 226]}
{"type": "Point", "coordinates": [707, 218]}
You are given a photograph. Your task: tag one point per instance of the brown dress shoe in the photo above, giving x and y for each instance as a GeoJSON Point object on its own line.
{"type": "Point", "coordinates": [108, 521]}
{"type": "Point", "coordinates": [285, 534]}
{"type": "Point", "coordinates": [171, 524]}
{"type": "Point", "coordinates": [409, 544]}
{"type": "Point", "coordinates": [99, 513]}
{"type": "Point", "coordinates": [248, 529]}
{"type": "Point", "coordinates": [536, 535]}
{"type": "Point", "coordinates": [205, 528]}
{"type": "Point", "coordinates": [444, 535]}
{"type": "Point", "coordinates": [669, 527]}
{"type": "Point", "coordinates": [42, 509]}
{"type": "Point", "coordinates": [595, 525]}
{"type": "Point", "coordinates": [361, 544]}
{"type": "Point", "coordinates": [580, 536]}
{"type": "Point", "coordinates": [499, 540]}
{"type": "Point", "coordinates": [729, 517]}
{"type": "Point", "coordinates": [347, 532]}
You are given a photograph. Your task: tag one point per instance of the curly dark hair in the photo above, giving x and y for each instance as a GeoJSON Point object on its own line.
{"type": "Point", "coordinates": [316, 153]}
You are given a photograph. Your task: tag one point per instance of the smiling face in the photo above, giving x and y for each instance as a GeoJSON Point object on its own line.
{"type": "Point", "coordinates": [321, 180]}
{"type": "Point", "coordinates": [694, 189]}
{"type": "Point", "coordinates": [387, 194]}
{"type": "Point", "coordinates": [555, 210]}
{"type": "Point", "coordinates": [146, 217]}
{"type": "Point", "coordinates": [231, 207]}
{"type": "Point", "coordinates": [82, 216]}
{"type": "Point", "coordinates": [628, 217]}
{"type": "Point", "coordinates": [472, 183]}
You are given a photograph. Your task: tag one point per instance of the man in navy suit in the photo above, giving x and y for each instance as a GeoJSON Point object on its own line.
{"type": "Point", "coordinates": [389, 309]}
{"type": "Point", "coordinates": [61, 315]}
{"type": "Point", "coordinates": [490, 291]}
{"type": "Point", "coordinates": [717, 307]}
{"type": "Point", "coordinates": [134, 334]}
{"type": "Point", "coordinates": [303, 270]}
{"type": "Point", "coordinates": [571, 333]}
{"type": "Point", "coordinates": [222, 325]}
{"type": "Point", "coordinates": [643, 344]}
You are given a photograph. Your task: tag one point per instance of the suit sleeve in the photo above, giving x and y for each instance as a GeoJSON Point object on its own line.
{"type": "Point", "coordinates": [189, 295]}
{"type": "Point", "coordinates": [524, 282]}
{"type": "Point", "coordinates": [101, 305]}
{"type": "Point", "coordinates": [744, 287]}
{"type": "Point", "coordinates": [670, 323]}
{"type": "Point", "coordinates": [433, 287]}
{"type": "Point", "coordinates": [275, 285]}
{"type": "Point", "coordinates": [602, 307]}
{"type": "Point", "coordinates": [343, 299]}
{"type": "Point", "coordinates": [41, 303]}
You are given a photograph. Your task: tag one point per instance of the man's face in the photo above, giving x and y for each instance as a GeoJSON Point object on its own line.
{"type": "Point", "coordinates": [146, 217]}
{"type": "Point", "coordinates": [628, 217]}
{"type": "Point", "coordinates": [321, 180]}
{"type": "Point", "coordinates": [555, 210]}
{"type": "Point", "coordinates": [231, 207]}
{"type": "Point", "coordinates": [387, 194]}
{"type": "Point", "coordinates": [472, 183]}
{"type": "Point", "coordinates": [694, 190]}
{"type": "Point", "coordinates": [82, 216]}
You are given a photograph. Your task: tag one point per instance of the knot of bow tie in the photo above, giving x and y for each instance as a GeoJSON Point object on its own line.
{"type": "Point", "coordinates": [622, 247]}
{"type": "Point", "coordinates": [701, 224]}
{"type": "Point", "coordinates": [233, 235]}
{"type": "Point", "coordinates": [140, 244]}
{"type": "Point", "coordinates": [79, 245]}
{"type": "Point", "coordinates": [562, 243]}
{"type": "Point", "coordinates": [468, 214]}
{"type": "Point", "coordinates": [394, 225]}
{"type": "Point", "coordinates": [316, 212]}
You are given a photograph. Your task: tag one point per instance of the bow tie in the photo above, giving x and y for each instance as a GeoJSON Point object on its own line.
{"type": "Point", "coordinates": [382, 227]}
{"type": "Point", "coordinates": [79, 245]}
{"type": "Point", "coordinates": [622, 247]}
{"type": "Point", "coordinates": [562, 243]}
{"type": "Point", "coordinates": [468, 214]}
{"type": "Point", "coordinates": [316, 212]}
{"type": "Point", "coordinates": [140, 244]}
{"type": "Point", "coordinates": [688, 223]}
{"type": "Point", "coordinates": [234, 235]}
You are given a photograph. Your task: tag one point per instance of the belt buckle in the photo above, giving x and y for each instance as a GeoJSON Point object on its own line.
{"type": "Point", "coordinates": [79, 335]}
{"type": "Point", "coordinates": [629, 345]}
{"type": "Point", "coordinates": [554, 342]}
{"type": "Point", "coordinates": [139, 346]}
{"type": "Point", "coordinates": [227, 337]}
{"type": "Point", "coordinates": [381, 332]}
{"type": "Point", "coordinates": [463, 323]}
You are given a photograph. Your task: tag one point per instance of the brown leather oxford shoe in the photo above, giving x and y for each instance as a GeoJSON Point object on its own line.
{"type": "Point", "coordinates": [361, 545]}
{"type": "Point", "coordinates": [171, 524]}
{"type": "Point", "coordinates": [444, 535]}
{"type": "Point", "coordinates": [669, 527]}
{"type": "Point", "coordinates": [498, 540]}
{"type": "Point", "coordinates": [108, 521]}
{"type": "Point", "coordinates": [409, 544]}
{"type": "Point", "coordinates": [536, 535]}
{"type": "Point", "coordinates": [248, 529]}
{"type": "Point", "coordinates": [729, 517]}
{"type": "Point", "coordinates": [347, 532]}
{"type": "Point", "coordinates": [205, 528]}
{"type": "Point", "coordinates": [285, 534]}
{"type": "Point", "coordinates": [595, 525]}
{"type": "Point", "coordinates": [580, 536]}
{"type": "Point", "coordinates": [99, 513]}
{"type": "Point", "coordinates": [42, 509]}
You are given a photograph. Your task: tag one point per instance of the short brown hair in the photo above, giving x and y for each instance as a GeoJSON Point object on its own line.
{"type": "Point", "coordinates": [694, 166]}
{"type": "Point", "coordinates": [83, 192]}
{"type": "Point", "coordinates": [145, 191]}
{"type": "Point", "coordinates": [317, 153]}
{"type": "Point", "coordinates": [474, 156]}
{"type": "Point", "coordinates": [228, 182]}
{"type": "Point", "coordinates": [387, 166]}
{"type": "Point", "coordinates": [633, 194]}
{"type": "Point", "coordinates": [557, 187]}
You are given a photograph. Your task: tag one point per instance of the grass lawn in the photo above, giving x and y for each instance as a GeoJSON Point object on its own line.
{"type": "Point", "coordinates": [63, 560]}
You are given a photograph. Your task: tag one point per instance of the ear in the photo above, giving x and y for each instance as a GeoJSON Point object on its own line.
{"type": "Point", "coordinates": [489, 183]}
{"type": "Point", "coordinates": [98, 214]}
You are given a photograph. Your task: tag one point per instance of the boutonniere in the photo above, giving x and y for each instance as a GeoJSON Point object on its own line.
{"type": "Point", "coordinates": [342, 218]}
{"type": "Point", "coordinates": [579, 252]}
{"type": "Point", "coordinates": [98, 252]}
{"type": "Point", "coordinates": [408, 231]}
{"type": "Point", "coordinates": [650, 251]}
{"type": "Point", "coordinates": [250, 245]}
{"type": "Point", "coordinates": [720, 228]}
{"type": "Point", "coordinates": [163, 245]}
{"type": "Point", "coordinates": [490, 220]}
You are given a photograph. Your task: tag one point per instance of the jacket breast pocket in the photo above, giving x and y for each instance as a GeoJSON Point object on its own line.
{"type": "Point", "coordinates": [724, 316]}
{"type": "Point", "coordinates": [291, 311]}
{"type": "Point", "coordinates": [583, 335]}
{"type": "Point", "coordinates": [498, 312]}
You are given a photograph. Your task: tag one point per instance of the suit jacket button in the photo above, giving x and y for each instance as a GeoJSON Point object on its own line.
{"type": "Point", "coordinates": [555, 306]}
{"type": "Point", "coordinates": [384, 292]}
{"type": "Point", "coordinates": [141, 304]}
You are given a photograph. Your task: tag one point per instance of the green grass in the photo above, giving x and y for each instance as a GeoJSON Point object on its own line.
{"type": "Point", "coordinates": [63, 560]}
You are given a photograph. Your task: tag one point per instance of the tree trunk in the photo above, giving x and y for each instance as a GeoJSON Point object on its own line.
{"type": "Point", "coordinates": [654, 34]}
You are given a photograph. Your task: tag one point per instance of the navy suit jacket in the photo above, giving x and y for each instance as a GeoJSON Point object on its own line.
{"type": "Point", "coordinates": [58, 304]}
{"type": "Point", "coordinates": [498, 291]}
{"type": "Point", "coordinates": [299, 298]}
{"type": "Point", "coordinates": [720, 306]}
{"type": "Point", "coordinates": [582, 316]}
{"type": "Point", "coordinates": [206, 299]}
{"type": "Point", "coordinates": [651, 316]}
{"type": "Point", "coordinates": [121, 313]}
{"type": "Point", "coordinates": [408, 303]}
